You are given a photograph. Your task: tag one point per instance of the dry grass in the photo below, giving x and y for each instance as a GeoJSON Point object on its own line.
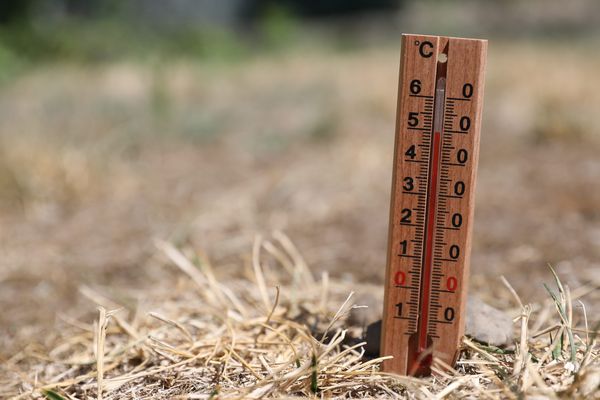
{"type": "Point", "coordinates": [94, 165]}
{"type": "Point", "coordinates": [281, 332]}
{"type": "Point", "coordinates": [301, 143]}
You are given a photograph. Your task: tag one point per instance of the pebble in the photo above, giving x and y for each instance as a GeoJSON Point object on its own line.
{"type": "Point", "coordinates": [484, 323]}
{"type": "Point", "coordinates": [488, 324]}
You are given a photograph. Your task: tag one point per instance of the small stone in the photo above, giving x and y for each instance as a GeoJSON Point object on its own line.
{"type": "Point", "coordinates": [488, 324]}
{"type": "Point", "coordinates": [484, 323]}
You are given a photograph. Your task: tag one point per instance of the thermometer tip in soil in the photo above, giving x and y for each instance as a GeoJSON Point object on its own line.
{"type": "Point", "coordinates": [431, 213]}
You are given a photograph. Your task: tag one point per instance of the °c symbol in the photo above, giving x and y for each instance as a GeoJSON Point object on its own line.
{"type": "Point", "coordinates": [425, 49]}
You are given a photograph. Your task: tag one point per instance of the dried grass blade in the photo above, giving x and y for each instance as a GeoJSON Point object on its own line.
{"type": "Point", "coordinates": [258, 273]}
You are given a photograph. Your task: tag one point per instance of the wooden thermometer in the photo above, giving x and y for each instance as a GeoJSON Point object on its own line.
{"type": "Point", "coordinates": [431, 214]}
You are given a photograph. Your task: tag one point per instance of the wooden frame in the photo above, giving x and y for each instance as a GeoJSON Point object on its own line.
{"type": "Point", "coordinates": [436, 151]}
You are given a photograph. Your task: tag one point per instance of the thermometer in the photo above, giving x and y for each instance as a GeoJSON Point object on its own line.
{"type": "Point", "coordinates": [431, 213]}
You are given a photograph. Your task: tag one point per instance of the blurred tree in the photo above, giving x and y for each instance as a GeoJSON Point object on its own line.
{"type": "Point", "coordinates": [334, 7]}
{"type": "Point", "coordinates": [323, 8]}
{"type": "Point", "coordinates": [218, 11]}
{"type": "Point", "coordinates": [15, 10]}
{"type": "Point", "coordinates": [92, 8]}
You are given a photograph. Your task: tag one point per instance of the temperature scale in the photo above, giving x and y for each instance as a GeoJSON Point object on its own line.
{"type": "Point", "coordinates": [431, 215]}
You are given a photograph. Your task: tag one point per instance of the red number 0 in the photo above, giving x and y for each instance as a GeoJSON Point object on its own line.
{"type": "Point", "coordinates": [399, 278]}
{"type": "Point", "coordinates": [451, 284]}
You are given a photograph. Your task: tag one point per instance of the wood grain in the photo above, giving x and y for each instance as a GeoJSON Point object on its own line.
{"type": "Point", "coordinates": [450, 224]}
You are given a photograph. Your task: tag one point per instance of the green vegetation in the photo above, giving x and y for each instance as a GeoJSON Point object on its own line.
{"type": "Point", "coordinates": [52, 395]}
{"type": "Point", "coordinates": [107, 40]}
{"type": "Point", "coordinates": [25, 44]}
{"type": "Point", "coordinates": [10, 63]}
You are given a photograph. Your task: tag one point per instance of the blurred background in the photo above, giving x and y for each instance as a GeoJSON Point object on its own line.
{"type": "Point", "coordinates": [206, 122]}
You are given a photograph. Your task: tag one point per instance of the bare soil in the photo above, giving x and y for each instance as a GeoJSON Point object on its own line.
{"type": "Point", "coordinates": [97, 162]}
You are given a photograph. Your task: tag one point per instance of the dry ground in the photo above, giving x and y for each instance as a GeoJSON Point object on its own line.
{"type": "Point", "coordinates": [97, 162]}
